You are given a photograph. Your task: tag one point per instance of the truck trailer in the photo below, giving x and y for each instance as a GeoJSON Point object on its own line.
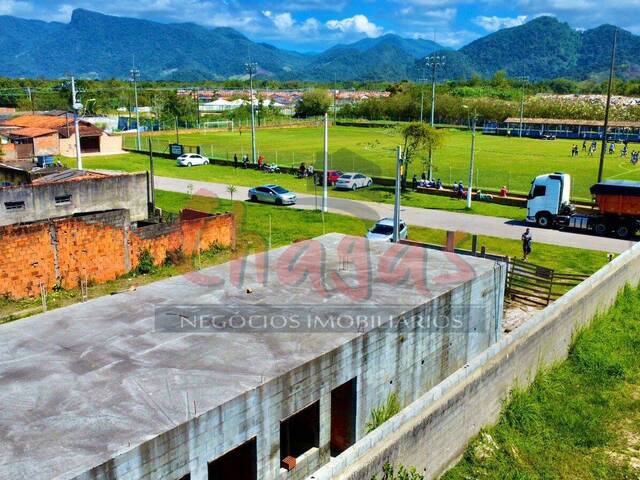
{"type": "Point", "coordinates": [617, 209]}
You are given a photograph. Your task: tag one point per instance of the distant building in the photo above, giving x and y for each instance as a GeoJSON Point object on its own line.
{"type": "Point", "coordinates": [564, 128]}
{"type": "Point", "coordinates": [73, 192]}
{"type": "Point", "coordinates": [33, 135]}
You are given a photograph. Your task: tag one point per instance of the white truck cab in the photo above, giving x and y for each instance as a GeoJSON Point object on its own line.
{"type": "Point", "coordinates": [549, 194]}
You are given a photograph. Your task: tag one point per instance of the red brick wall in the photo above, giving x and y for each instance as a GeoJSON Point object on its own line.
{"type": "Point", "coordinates": [97, 247]}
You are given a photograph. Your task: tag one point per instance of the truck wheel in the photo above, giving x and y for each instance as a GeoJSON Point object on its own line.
{"type": "Point", "coordinates": [623, 231]}
{"type": "Point", "coordinates": [543, 220]}
{"type": "Point", "coordinates": [601, 228]}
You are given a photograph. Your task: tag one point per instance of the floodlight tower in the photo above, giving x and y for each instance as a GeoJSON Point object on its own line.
{"type": "Point", "coordinates": [523, 80]}
{"type": "Point", "coordinates": [135, 74]}
{"type": "Point", "coordinates": [434, 62]}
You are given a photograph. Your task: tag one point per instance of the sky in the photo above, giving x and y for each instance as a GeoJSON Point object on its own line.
{"type": "Point", "coordinates": [314, 25]}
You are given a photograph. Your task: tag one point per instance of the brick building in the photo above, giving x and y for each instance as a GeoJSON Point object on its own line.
{"type": "Point", "coordinates": [55, 135]}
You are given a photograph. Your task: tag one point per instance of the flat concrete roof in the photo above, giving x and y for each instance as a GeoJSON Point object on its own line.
{"type": "Point", "coordinates": [82, 384]}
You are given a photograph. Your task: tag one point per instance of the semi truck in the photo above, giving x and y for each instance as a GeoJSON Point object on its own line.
{"type": "Point", "coordinates": [617, 209]}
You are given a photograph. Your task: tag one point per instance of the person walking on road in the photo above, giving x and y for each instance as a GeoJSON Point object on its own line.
{"type": "Point", "coordinates": [526, 244]}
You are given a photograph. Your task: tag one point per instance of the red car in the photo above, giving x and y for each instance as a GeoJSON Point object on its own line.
{"type": "Point", "coordinates": [332, 177]}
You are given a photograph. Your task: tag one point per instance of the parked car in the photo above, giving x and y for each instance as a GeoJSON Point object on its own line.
{"type": "Point", "coordinates": [382, 231]}
{"type": "Point", "coordinates": [332, 177]}
{"type": "Point", "coordinates": [190, 159]}
{"type": "Point", "coordinates": [272, 194]}
{"type": "Point", "coordinates": [352, 181]}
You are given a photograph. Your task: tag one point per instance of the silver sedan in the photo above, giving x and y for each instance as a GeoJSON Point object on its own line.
{"type": "Point", "coordinates": [272, 194]}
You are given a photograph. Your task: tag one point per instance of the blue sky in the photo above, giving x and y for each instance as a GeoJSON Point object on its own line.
{"type": "Point", "coordinates": [313, 25]}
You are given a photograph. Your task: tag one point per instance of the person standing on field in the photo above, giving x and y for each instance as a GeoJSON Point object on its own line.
{"type": "Point", "coordinates": [527, 239]}
{"type": "Point", "coordinates": [235, 160]}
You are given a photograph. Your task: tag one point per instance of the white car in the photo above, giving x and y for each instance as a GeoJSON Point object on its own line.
{"type": "Point", "coordinates": [352, 181]}
{"type": "Point", "coordinates": [382, 231]}
{"type": "Point", "coordinates": [190, 159]}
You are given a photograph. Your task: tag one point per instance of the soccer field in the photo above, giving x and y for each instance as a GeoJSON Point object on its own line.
{"type": "Point", "coordinates": [499, 160]}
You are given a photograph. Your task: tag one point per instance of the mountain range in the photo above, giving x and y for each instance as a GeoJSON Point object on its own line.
{"type": "Point", "coordinates": [93, 45]}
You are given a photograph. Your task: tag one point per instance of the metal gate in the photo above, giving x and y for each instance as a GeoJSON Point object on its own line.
{"type": "Point", "coordinates": [529, 284]}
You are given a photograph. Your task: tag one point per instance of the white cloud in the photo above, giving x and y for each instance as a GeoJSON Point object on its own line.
{"type": "Point", "coordinates": [282, 21]}
{"type": "Point", "coordinates": [14, 7]}
{"type": "Point", "coordinates": [356, 24]}
{"type": "Point", "coordinates": [493, 23]}
{"type": "Point", "coordinates": [449, 38]}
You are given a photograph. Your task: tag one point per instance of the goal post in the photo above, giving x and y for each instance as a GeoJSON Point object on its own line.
{"type": "Point", "coordinates": [219, 125]}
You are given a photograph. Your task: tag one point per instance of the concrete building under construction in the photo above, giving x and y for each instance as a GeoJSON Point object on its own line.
{"type": "Point", "coordinates": [267, 367]}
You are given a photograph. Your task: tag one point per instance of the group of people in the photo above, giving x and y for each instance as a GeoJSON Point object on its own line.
{"type": "Point", "coordinates": [575, 151]}
{"type": "Point", "coordinates": [425, 182]}
{"type": "Point", "coordinates": [304, 171]}
{"type": "Point", "coordinates": [245, 161]}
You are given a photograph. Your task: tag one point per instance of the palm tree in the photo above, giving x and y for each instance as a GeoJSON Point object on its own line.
{"type": "Point", "coordinates": [231, 189]}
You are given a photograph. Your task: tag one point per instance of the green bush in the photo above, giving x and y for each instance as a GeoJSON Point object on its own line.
{"type": "Point", "coordinates": [383, 413]}
{"type": "Point", "coordinates": [146, 263]}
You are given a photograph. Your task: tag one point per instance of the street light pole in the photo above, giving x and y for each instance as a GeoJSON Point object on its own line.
{"type": "Point", "coordinates": [606, 111]}
{"type": "Point", "coordinates": [76, 108]}
{"type": "Point", "coordinates": [325, 166]}
{"type": "Point", "coordinates": [135, 73]}
{"type": "Point", "coordinates": [472, 160]}
{"type": "Point", "coordinates": [251, 69]}
{"type": "Point", "coordinates": [433, 61]}
{"type": "Point", "coordinates": [396, 203]}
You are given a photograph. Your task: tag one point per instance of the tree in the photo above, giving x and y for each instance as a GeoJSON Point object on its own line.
{"type": "Point", "coordinates": [313, 103]}
{"type": "Point", "coordinates": [417, 137]}
{"type": "Point", "coordinates": [231, 189]}
{"type": "Point", "coordinates": [176, 107]}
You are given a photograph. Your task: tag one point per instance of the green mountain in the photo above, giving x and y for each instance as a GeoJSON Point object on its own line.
{"type": "Point", "coordinates": [545, 48]}
{"type": "Point", "coordinates": [93, 45]}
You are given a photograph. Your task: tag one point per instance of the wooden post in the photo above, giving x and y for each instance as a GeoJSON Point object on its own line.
{"type": "Point", "coordinates": [474, 244]}
{"type": "Point", "coordinates": [451, 237]}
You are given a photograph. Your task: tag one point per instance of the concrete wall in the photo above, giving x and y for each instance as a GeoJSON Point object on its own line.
{"type": "Point", "coordinates": [433, 432]}
{"type": "Point", "coordinates": [409, 363]}
{"type": "Point", "coordinates": [127, 191]}
{"type": "Point", "coordinates": [96, 247]}
{"type": "Point", "coordinates": [47, 144]}
{"type": "Point", "coordinates": [109, 145]}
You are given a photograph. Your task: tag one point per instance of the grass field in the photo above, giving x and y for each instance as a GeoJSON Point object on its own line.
{"type": "Point", "coordinates": [499, 160]}
{"type": "Point", "coordinates": [579, 420]}
{"type": "Point", "coordinates": [133, 162]}
{"type": "Point", "coordinates": [290, 225]}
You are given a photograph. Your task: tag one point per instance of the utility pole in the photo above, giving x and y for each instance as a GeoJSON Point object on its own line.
{"type": "Point", "coordinates": [396, 202]}
{"type": "Point", "coordinates": [523, 79]}
{"type": "Point", "coordinates": [335, 94]}
{"type": "Point", "coordinates": [135, 74]}
{"type": "Point", "coordinates": [33, 108]}
{"type": "Point", "coordinates": [251, 69]}
{"type": "Point", "coordinates": [76, 105]}
{"type": "Point", "coordinates": [434, 62]}
{"type": "Point", "coordinates": [606, 111]}
{"type": "Point", "coordinates": [152, 183]}
{"type": "Point", "coordinates": [325, 166]}
{"type": "Point", "coordinates": [473, 158]}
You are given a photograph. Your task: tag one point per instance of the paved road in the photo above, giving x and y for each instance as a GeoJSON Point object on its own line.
{"type": "Point", "coordinates": [422, 217]}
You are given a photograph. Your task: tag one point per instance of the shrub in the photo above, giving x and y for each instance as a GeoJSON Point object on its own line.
{"type": "Point", "coordinates": [383, 413]}
{"type": "Point", "coordinates": [146, 263]}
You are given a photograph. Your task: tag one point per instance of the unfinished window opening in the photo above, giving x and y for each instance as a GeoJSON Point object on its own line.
{"type": "Point", "coordinates": [14, 205]}
{"type": "Point", "coordinates": [237, 464]}
{"type": "Point", "coordinates": [63, 199]}
{"type": "Point", "coordinates": [300, 432]}
{"type": "Point", "coordinates": [343, 417]}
